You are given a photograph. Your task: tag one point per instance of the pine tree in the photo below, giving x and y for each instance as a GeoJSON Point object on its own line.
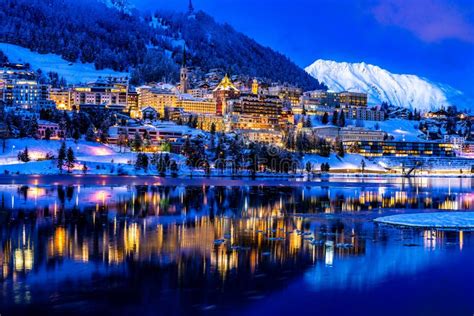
{"type": "Point", "coordinates": [309, 167]}
{"type": "Point", "coordinates": [70, 159]}
{"type": "Point", "coordinates": [137, 142]}
{"type": "Point", "coordinates": [24, 156]}
{"type": "Point", "coordinates": [47, 133]}
{"type": "Point", "coordinates": [160, 166]}
{"type": "Point", "coordinates": [167, 161]}
{"type": "Point", "coordinates": [339, 149]}
{"type": "Point", "coordinates": [308, 122]}
{"type": "Point", "coordinates": [362, 166]}
{"type": "Point", "coordinates": [325, 118]}
{"type": "Point", "coordinates": [206, 167]}
{"type": "Point", "coordinates": [213, 128]}
{"type": "Point", "coordinates": [76, 134]}
{"type": "Point", "coordinates": [33, 128]}
{"type": "Point", "coordinates": [174, 168]}
{"type": "Point", "coordinates": [61, 157]}
{"type": "Point", "coordinates": [90, 134]}
{"type": "Point", "coordinates": [146, 139]}
{"type": "Point", "coordinates": [342, 119]}
{"type": "Point", "coordinates": [142, 162]}
{"type": "Point", "coordinates": [335, 118]}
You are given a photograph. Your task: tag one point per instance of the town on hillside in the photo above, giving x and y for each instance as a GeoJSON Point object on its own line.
{"type": "Point", "coordinates": [216, 123]}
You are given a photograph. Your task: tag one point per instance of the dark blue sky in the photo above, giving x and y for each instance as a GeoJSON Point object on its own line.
{"type": "Point", "coordinates": [429, 38]}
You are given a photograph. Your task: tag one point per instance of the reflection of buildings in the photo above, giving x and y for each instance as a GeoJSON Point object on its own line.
{"type": "Point", "coordinates": [262, 234]}
{"type": "Point", "coordinates": [146, 224]}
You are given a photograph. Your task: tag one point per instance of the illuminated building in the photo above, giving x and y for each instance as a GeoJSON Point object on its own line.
{"type": "Point", "coordinates": [364, 114]}
{"type": "Point", "coordinates": [457, 141]}
{"type": "Point", "coordinates": [156, 134]}
{"type": "Point", "coordinates": [259, 105]}
{"type": "Point", "coordinates": [320, 98]}
{"type": "Point", "coordinates": [255, 87]}
{"type": "Point", "coordinates": [263, 136]}
{"type": "Point", "coordinates": [286, 93]}
{"type": "Point", "coordinates": [251, 111]}
{"type": "Point", "coordinates": [205, 122]}
{"type": "Point", "coordinates": [438, 115]}
{"type": "Point", "coordinates": [55, 131]}
{"type": "Point", "coordinates": [196, 105]}
{"type": "Point", "coordinates": [25, 93]}
{"type": "Point", "coordinates": [132, 102]}
{"type": "Point", "coordinates": [148, 113]}
{"type": "Point", "coordinates": [157, 98]}
{"type": "Point", "coordinates": [62, 98]}
{"type": "Point", "coordinates": [360, 134]}
{"type": "Point", "coordinates": [400, 148]}
{"type": "Point", "coordinates": [350, 99]}
{"type": "Point", "coordinates": [329, 133]}
{"type": "Point", "coordinates": [11, 71]}
{"type": "Point", "coordinates": [110, 93]}
{"type": "Point", "coordinates": [224, 91]}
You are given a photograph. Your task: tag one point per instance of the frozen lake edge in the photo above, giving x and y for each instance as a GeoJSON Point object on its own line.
{"type": "Point", "coordinates": [441, 220]}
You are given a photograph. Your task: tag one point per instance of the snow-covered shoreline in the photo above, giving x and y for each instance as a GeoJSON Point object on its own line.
{"type": "Point", "coordinates": [109, 160]}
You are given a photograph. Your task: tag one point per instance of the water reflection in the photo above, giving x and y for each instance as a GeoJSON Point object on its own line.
{"type": "Point", "coordinates": [221, 244]}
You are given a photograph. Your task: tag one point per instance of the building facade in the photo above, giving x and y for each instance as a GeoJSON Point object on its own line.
{"type": "Point", "coordinates": [400, 148]}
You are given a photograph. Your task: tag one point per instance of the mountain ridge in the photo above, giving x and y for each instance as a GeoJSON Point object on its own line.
{"type": "Point", "coordinates": [405, 90]}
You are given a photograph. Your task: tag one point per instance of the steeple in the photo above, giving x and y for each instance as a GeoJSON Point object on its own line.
{"type": "Point", "coordinates": [226, 85]}
{"type": "Point", "coordinates": [183, 74]}
{"type": "Point", "coordinates": [184, 62]}
{"type": "Point", "coordinates": [191, 7]}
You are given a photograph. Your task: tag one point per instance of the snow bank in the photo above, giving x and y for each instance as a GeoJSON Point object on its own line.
{"type": "Point", "coordinates": [73, 72]}
{"type": "Point", "coordinates": [38, 149]}
{"type": "Point", "coordinates": [456, 220]}
{"type": "Point", "coordinates": [346, 163]}
{"type": "Point", "coordinates": [401, 130]}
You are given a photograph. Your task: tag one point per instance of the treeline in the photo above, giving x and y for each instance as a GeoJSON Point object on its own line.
{"type": "Point", "coordinates": [214, 45]}
{"type": "Point", "coordinates": [85, 31]}
{"type": "Point", "coordinates": [91, 124]}
{"type": "Point", "coordinates": [90, 32]}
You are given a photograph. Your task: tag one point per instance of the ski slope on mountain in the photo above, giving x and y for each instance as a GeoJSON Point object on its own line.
{"type": "Point", "coordinates": [73, 72]}
{"type": "Point", "coordinates": [408, 91]}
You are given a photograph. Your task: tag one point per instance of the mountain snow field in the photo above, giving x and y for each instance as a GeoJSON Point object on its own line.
{"type": "Point", "coordinates": [74, 73]}
{"type": "Point", "coordinates": [407, 91]}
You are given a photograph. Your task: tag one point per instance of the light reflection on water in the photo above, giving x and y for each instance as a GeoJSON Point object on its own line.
{"type": "Point", "coordinates": [87, 247]}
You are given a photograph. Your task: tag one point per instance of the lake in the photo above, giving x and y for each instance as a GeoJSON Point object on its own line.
{"type": "Point", "coordinates": [130, 245]}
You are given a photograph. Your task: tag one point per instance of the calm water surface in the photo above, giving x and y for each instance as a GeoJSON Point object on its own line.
{"type": "Point", "coordinates": [100, 245]}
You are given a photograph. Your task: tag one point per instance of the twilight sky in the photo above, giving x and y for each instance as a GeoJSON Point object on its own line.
{"type": "Point", "coordinates": [429, 38]}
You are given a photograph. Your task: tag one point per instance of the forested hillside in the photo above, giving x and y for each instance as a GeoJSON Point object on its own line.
{"type": "Point", "coordinates": [148, 46]}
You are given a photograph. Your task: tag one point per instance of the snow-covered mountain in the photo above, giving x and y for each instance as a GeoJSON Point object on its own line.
{"type": "Point", "coordinates": [401, 90]}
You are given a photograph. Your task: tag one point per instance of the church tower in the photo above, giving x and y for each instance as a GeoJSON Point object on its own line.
{"type": "Point", "coordinates": [190, 7]}
{"type": "Point", "coordinates": [254, 86]}
{"type": "Point", "coordinates": [183, 73]}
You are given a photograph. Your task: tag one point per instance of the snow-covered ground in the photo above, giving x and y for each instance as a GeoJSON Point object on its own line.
{"type": "Point", "coordinates": [350, 162]}
{"type": "Point", "coordinates": [99, 158]}
{"type": "Point", "coordinates": [455, 220]}
{"type": "Point", "coordinates": [73, 72]}
{"type": "Point", "coordinates": [398, 128]}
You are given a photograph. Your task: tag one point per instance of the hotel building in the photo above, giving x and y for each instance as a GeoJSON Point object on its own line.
{"type": "Point", "coordinates": [400, 148]}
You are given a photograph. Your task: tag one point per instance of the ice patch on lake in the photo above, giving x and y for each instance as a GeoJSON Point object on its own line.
{"type": "Point", "coordinates": [446, 220]}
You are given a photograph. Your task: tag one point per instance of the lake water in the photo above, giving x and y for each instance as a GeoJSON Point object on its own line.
{"type": "Point", "coordinates": [95, 245]}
